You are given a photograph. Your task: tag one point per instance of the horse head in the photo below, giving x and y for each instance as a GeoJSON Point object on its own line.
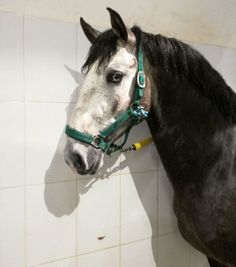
{"type": "Point", "coordinates": [107, 92]}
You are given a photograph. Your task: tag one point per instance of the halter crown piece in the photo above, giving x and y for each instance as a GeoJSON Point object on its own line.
{"type": "Point", "coordinates": [135, 114]}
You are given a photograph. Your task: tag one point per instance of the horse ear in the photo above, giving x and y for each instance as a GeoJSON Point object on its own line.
{"type": "Point", "coordinates": [119, 28]}
{"type": "Point", "coordinates": [90, 32]}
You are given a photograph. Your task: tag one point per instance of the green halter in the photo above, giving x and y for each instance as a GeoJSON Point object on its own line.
{"type": "Point", "coordinates": [135, 114]}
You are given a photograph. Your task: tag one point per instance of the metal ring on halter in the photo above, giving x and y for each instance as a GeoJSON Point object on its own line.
{"type": "Point", "coordinates": [141, 76]}
{"type": "Point", "coordinates": [96, 141]}
{"type": "Point", "coordinates": [137, 112]}
{"type": "Point", "coordinates": [136, 109]}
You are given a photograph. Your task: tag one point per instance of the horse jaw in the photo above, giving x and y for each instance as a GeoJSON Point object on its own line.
{"type": "Point", "coordinates": [99, 103]}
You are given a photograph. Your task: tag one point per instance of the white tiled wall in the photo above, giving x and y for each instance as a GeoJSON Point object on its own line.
{"type": "Point", "coordinates": [48, 54]}
{"type": "Point", "coordinates": [49, 216]}
{"type": "Point", "coordinates": [11, 54]}
{"type": "Point", "coordinates": [98, 214]}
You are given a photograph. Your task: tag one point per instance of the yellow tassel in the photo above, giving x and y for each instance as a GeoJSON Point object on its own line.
{"type": "Point", "coordinates": [142, 143]}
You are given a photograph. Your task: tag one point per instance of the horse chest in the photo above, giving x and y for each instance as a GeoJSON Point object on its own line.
{"type": "Point", "coordinates": [209, 224]}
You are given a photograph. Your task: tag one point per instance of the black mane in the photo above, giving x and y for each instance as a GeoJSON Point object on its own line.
{"type": "Point", "coordinates": [177, 59]}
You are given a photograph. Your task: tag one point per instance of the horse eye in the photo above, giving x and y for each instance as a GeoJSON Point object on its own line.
{"type": "Point", "coordinates": [114, 77]}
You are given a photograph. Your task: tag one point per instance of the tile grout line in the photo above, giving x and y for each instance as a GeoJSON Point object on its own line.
{"type": "Point", "coordinates": [93, 251]}
{"type": "Point", "coordinates": [138, 240]}
{"type": "Point", "coordinates": [115, 246]}
{"type": "Point", "coordinates": [120, 208]}
{"type": "Point", "coordinates": [189, 256]}
{"type": "Point", "coordinates": [53, 182]}
{"type": "Point", "coordinates": [53, 261]}
{"type": "Point", "coordinates": [14, 186]}
{"type": "Point", "coordinates": [76, 223]}
{"type": "Point", "coordinates": [77, 180]}
{"type": "Point", "coordinates": [168, 233]}
{"type": "Point", "coordinates": [38, 101]}
{"type": "Point", "coordinates": [24, 90]}
{"type": "Point", "coordinates": [98, 250]}
{"type": "Point", "coordinates": [157, 219]}
{"type": "Point", "coordinates": [77, 64]}
{"type": "Point", "coordinates": [71, 180]}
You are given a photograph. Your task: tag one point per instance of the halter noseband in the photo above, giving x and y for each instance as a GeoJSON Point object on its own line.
{"type": "Point", "coordinates": [135, 114]}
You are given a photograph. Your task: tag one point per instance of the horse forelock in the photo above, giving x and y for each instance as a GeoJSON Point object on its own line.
{"type": "Point", "coordinates": [102, 50]}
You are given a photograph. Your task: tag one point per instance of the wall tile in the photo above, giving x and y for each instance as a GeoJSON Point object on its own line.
{"type": "Point", "coordinates": [72, 262]}
{"type": "Point", "coordinates": [138, 206]}
{"type": "Point", "coordinates": [51, 222]}
{"type": "Point", "coordinates": [212, 53]}
{"type": "Point", "coordinates": [50, 60]}
{"type": "Point", "coordinates": [107, 257]}
{"type": "Point", "coordinates": [143, 160]}
{"type": "Point", "coordinates": [228, 67]}
{"type": "Point", "coordinates": [83, 46]}
{"type": "Point", "coordinates": [12, 228]}
{"type": "Point", "coordinates": [222, 59]}
{"type": "Point", "coordinates": [166, 218]}
{"type": "Point", "coordinates": [172, 251]}
{"type": "Point", "coordinates": [11, 54]}
{"type": "Point", "coordinates": [12, 144]}
{"type": "Point", "coordinates": [45, 141]}
{"type": "Point", "coordinates": [139, 254]}
{"type": "Point", "coordinates": [98, 214]}
{"type": "Point", "coordinates": [111, 166]}
{"type": "Point", "coordinates": [197, 259]}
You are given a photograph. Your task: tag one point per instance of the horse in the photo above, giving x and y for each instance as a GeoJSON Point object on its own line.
{"type": "Point", "coordinates": [131, 76]}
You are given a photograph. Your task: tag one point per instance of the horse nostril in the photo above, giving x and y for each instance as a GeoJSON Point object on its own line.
{"type": "Point", "coordinates": [79, 162]}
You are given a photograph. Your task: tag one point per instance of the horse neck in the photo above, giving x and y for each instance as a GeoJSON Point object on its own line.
{"type": "Point", "coordinates": [185, 127]}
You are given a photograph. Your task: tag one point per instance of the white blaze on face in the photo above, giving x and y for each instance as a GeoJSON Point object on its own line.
{"type": "Point", "coordinates": [100, 101]}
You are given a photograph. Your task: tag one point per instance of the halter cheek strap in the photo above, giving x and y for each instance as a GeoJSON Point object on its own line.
{"type": "Point", "coordinates": [133, 116]}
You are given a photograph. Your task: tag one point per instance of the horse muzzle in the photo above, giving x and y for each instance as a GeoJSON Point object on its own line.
{"type": "Point", "coordinates": [81, 158]}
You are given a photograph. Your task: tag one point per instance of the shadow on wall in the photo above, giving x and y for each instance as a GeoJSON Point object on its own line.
{"type": "Point", "coordinates": [62, 202]}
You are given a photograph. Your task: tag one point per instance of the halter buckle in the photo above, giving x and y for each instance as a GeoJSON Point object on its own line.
{"type": "Point", "coordinates": [96, 141]}
{"type": "Point", "coordinates": [139, 112]}
{"type": "Point", "coordinates": [141, 81]}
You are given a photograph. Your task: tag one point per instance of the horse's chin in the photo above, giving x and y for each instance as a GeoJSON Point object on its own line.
{"type": "Point", "coordinates": [93, 168]}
